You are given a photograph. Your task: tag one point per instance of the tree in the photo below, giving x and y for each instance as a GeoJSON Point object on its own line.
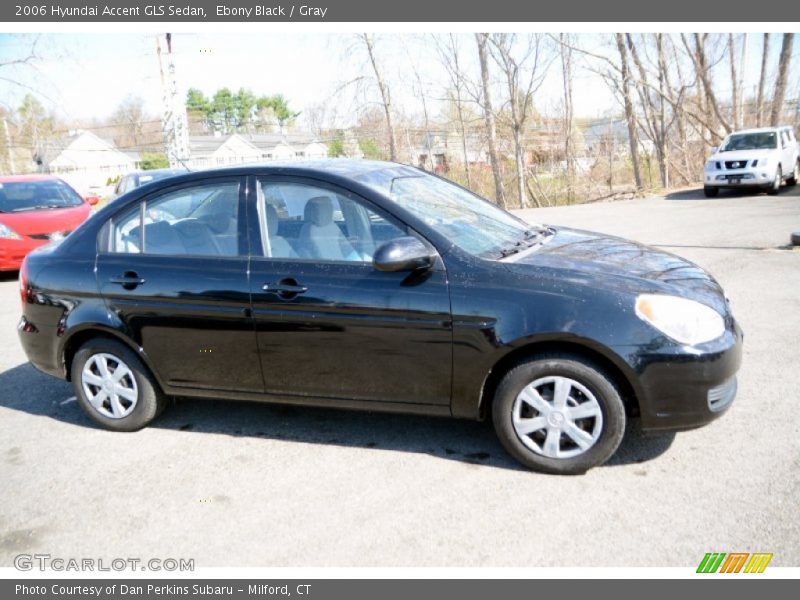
{"type": "Point", "coordinates": [630, 117]}
{"type": "Point", "coordinates": [566, 77]}
{"type": "Point", "coordinates": [482, 40]}
{"type": "Point", "coordinates": [522, 65]}
{"type": "Point", "coordinates": [386, 99]}
{"type": "Point", "coordinates": [278, 107]}
{"type": "Point", "coordinates": [762, 81]}
{"type": "Point", "coordinates": [153, 160]}
{"type": "Point", "coordinates": [35, 126]}
{"type": "Point", "coordinates": [449, 54]}
{"type": "Point", "coordinates": [130, 117]}
{"type": "Point", "coordinates": [780, 83]}
{"type": "Point", "coordinates": [230, 112]}
{"type": "Point", "coordinates": [735, 108]}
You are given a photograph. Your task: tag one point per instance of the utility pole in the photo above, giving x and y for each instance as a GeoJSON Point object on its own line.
{"type": "Point", "coordinates": [174, 123]}
{"type": "Point", "coordinates": [11, 167]}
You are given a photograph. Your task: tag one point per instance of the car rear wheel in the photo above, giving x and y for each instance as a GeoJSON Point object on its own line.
{"type": "Point", "coordinates": [795, 174]}
{"type": "Point", "coordinates": [776, 185]}
{"type": "Point", "coordinates": [559, 414]}
{"type": "Point", "coordinates": [113, 386]}
{"type": "Point", "coordinates": [710, 191]}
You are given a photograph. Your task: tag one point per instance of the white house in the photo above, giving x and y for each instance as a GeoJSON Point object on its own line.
{"type": "Point", "coordinates": [85, 160]}
{"type": "Point", "coordinates": [208, 151]}
{"type": "Point", "coordinates": [286, 146]}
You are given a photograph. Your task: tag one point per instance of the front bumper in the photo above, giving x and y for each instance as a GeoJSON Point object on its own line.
{"type": "Point", "coordinates": [13, 252]}
{"type": "Point", "coordinates": [688, 387]}
{"type": "Point", "coordinates": [741, 178]}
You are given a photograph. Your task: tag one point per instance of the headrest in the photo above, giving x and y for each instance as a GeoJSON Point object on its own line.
{"type": "Point", "coordinates": [272, 220]}
{"type": "Point", "coordinates": [319, 211]}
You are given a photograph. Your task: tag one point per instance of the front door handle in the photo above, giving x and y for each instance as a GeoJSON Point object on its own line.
{"type": "Point", "coordinates": [129, 280]}
{"type": "Point", "coordinates": [286, 288]}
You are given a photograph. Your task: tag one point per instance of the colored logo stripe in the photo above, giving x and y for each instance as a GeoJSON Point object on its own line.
{"type": "Point", "coordinates": [734, 562]}
{"type": "Point", "coordinates": [758, 562]}
{"type": "Point", "coordinates": [717, 561]}
{"type": "Point", "coordinates": [711, 562]}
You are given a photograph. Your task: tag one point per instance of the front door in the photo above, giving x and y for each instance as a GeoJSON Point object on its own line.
{"type": "Point", "coordinates": [175, 273]}
{"type": "Point", "coordinates": [329, 325]}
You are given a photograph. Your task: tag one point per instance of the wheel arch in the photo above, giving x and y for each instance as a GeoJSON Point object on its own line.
{"type": "Point", "coordinates": [80, 336]}
{"type": "Point", "coordinates": [623, 381]}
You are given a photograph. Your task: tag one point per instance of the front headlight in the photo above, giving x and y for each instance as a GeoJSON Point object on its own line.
{"type": "Point", "coordinates": [6, 233]}
{"type": "Point", "coordinates": [761, 162]}
{"type": "Point", "coordinates": [685, 321]}
{"type": "Point", "coordinates": [711, 165]}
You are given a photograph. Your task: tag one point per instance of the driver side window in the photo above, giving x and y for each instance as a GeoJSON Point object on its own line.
{"type": "Point", "coordinates": [314, 223]}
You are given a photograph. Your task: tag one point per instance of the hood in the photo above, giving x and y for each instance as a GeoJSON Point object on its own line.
{"type": "Point", "coordinates": [741, 155]}
{"type": "Point", "coordinates": [623, 264]}
{"type": "Point", "coordinates": [46, 221]}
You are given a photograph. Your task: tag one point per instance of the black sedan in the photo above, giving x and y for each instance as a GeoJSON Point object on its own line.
{"type": "Point", "coordinates": [376, 286]}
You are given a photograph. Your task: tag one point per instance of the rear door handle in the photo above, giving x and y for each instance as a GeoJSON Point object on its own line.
{"type": "Point", "coordinates": [279, 288]}
{"type": "Point", "coordinates": [129, 280]}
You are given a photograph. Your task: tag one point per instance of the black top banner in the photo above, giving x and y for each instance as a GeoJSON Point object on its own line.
{"type": "Point", "coordinates": [333, 11]}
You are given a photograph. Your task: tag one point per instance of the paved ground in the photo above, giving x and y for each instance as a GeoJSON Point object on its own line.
{"type": "Point", "coordinates": [247, 485]}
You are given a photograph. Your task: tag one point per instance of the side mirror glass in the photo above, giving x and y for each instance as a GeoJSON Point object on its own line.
{"type": "Point", "coordinates": [405, 253]}
{"type": "Point", "coordinates": [714, 149]}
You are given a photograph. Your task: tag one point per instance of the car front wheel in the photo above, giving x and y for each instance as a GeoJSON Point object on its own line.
{"type": "Point", "coordinates": [113, 386]}
{"type": "Point", "coordinates": [710, 191]}
{"type": "Point", "coordinates": [776, 185]}
{"type": "Point", "coordinates": [559, 414]}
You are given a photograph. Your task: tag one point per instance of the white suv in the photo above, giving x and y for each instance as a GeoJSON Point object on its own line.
{"type": "Point", "coordinates": [753, 158]}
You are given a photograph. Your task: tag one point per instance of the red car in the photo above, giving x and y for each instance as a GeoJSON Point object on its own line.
{"type": "Point", "coordinates": [35, 210]}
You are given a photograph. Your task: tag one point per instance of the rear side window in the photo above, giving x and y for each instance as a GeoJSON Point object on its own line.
{"type": "Point", "coordinates": [195, 221]}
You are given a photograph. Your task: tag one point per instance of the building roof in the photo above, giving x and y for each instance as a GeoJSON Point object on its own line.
{"type": "Point", "coordinates": [266, 141]}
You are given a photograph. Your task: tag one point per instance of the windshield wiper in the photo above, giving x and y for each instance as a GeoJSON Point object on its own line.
{"type": "Point", "coordinates": [531, 237]}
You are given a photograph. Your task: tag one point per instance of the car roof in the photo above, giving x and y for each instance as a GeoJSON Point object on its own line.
{"type": "Point", "coordinates": [26, 178]}
{"type": "Point", "coordinates": [761, 129]}
{"type": "Point", "coordinates": [341, 167]}
{"type": "Point", "coordinates": [160, 172]}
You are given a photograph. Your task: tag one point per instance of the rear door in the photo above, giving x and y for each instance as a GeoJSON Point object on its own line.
{"type": "Point", "coordinates": [329, 325]}
{"type": "Point", "coordinates": [174, 271]}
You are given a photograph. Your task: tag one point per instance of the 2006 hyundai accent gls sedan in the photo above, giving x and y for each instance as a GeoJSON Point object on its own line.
{"type": "Point", "coordinates": [377, 286]}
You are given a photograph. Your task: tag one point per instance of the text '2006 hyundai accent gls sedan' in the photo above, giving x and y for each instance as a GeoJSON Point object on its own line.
{"type": "Point", "coordinates": [377, 286]}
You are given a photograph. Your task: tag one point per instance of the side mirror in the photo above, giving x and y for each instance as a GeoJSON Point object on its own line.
{"type": "Point", "coordinates": [92, 199]}
{"type": "Point", "coordinates": [714, 149]}
{"type": "Point", "coordinates": [403, 254]}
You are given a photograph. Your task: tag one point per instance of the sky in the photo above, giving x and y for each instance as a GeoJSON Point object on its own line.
{"type": "Point", "coordinates": [85, 76]}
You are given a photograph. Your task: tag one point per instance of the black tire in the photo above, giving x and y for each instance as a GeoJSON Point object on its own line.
{"type": "Point", "coordinates": [150, 401]}
{"type": "Point", "coordinates": [710, 191]}
{"type": "Point", "coordinates": [795, 237]}
{"type": "Point", "coordinates": [793, 179]}
{"type": "Point", "coordinates": [575, 368]}
{"type": "Point", "coordinates": [776, 185]}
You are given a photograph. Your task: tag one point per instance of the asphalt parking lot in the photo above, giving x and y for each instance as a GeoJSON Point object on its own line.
{"type": "Point", "coordinates": [236, 484]}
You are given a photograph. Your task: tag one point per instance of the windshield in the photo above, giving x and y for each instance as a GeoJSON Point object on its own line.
{"type": "Point", "coordinates": [470, 222]}
{"type": "Point", "coordinates": [764, 140]}
{"type": "Point", "coordinates": [21, 196]}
